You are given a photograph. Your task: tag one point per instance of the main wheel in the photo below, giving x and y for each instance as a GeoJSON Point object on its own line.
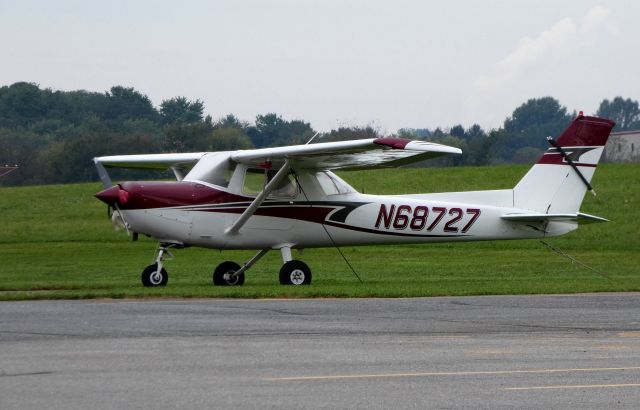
{"type": "Point", "coordinates": [152, 277]}
{"type": "Point", "coordinates": [295, 273]}
{"type": "Point", "coordinates": [223, 275]}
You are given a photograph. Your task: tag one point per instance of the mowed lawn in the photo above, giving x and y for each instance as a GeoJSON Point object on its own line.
{"type": "Point", "coordinates": [56, 242]}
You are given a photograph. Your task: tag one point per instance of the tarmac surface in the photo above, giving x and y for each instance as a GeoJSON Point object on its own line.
{"type": "Point", "coordinates": [574, 351]}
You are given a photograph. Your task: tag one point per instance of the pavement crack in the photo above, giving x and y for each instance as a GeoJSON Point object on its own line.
{"type": "Point", "coordinates": [24, 374]}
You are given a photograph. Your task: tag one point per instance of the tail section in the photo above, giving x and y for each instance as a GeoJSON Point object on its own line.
{"type": "Point", "coordinates": [558, 181]}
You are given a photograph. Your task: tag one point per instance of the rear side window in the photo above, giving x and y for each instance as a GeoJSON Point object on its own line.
{"type": "Point", "coordinates": [332, 185]}
{"type": "Point", "coordinates": [255, 179]}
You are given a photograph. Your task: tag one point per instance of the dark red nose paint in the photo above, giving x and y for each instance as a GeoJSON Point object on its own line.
{"type": "Point", "coordinates": [161, 194]}
{"type": "Point", "coordinates": [123, 196]}
{"type": "Point", "coordinates": [110, 195]}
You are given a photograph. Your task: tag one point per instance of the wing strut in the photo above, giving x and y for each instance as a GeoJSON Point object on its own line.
{"type": "Point", "coordinates": [251, 209]}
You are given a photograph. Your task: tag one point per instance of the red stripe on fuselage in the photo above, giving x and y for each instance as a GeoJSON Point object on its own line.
{"type": "Point", "coordinates": [308, 213]}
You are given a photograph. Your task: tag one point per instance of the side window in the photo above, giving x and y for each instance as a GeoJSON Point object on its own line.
{"type": "Point", "coordinates": [255, 179]}
{"type": "Point", "coordinates": [327, 184]}
{"type": "Point", "coordinates": [331, 184]}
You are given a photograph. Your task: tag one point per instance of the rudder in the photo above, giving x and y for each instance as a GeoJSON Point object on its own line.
{"type": "Point", "coordinates": [552, 185]}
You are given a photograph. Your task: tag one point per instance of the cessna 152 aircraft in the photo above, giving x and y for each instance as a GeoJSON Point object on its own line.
{"type": "Point", "coordinates": [288, 198]}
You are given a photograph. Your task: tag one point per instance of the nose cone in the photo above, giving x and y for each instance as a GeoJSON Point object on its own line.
{"type": "Point", "coordinates": [110, 195]}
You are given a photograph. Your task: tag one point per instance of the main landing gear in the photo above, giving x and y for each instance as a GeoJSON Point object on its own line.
{"type": "Point", "coordinates": [293, 272]}
{"type": "Point", "coordinates": [229, 273]}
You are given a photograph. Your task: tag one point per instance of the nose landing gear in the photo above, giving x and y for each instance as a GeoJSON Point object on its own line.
{"type": "Point", "coordinates": [152, 276]}
{"type": "Point", "coordinates": [155, 274]}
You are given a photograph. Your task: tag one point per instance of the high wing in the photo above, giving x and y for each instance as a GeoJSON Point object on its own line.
{"type": "Point", "coordinates": [355, 154]}
{"type": "Point", "coordinates": [175, 162]}
{"type": "Point", "coordinates": [150, 161]}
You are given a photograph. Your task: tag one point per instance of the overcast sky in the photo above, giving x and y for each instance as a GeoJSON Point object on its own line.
{"type": "Point", "coordinates": [333, 62]}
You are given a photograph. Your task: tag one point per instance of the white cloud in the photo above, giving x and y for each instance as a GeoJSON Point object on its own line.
{"type": "Point", "coordinates": [556, 44]}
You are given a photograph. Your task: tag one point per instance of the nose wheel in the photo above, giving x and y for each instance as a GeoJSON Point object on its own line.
{"type": "Point", "coordinates": [153, 275]}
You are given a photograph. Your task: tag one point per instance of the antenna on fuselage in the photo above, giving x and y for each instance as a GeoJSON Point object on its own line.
{"type": "Point", "coordinates": [311, 139]}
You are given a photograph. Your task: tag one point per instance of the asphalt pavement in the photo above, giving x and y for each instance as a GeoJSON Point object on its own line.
{"type": "Point", "coordinates": [573, 351]}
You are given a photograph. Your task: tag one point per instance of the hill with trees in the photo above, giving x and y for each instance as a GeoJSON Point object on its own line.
{"type": "Point", "coordinates": [54, 135]}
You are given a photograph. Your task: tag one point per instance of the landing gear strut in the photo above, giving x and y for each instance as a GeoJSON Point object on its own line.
{"type": "Point", "coordinates": [231, 274]}
{"type": "Point", "coordinates": [293, 272]}
{"type": "Point", "coordinates": [155, 274]}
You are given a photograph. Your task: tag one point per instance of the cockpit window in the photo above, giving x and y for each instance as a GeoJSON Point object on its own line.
{"type": "Point", "coordinates": [255, 179]}
{"type": "Point", "coordinates": [331, 184]}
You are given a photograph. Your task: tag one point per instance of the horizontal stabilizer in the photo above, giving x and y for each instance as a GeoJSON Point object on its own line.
{"type": "Point", "coordinates": [536, 217]}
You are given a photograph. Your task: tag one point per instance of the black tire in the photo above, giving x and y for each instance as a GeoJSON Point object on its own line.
{"type": "Point", "coordinates": [295, 273]}
{"type": "Point", "coordinates": [225, 268]}
{"type": "Point", "coordinates": [152, 278]}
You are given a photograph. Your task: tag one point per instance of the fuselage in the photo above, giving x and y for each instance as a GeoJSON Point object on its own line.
{"type": "Point", "coordinates": [196, 213]}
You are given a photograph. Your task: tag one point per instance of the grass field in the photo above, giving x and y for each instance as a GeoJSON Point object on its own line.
{"type": "Point", "coordinates": [56, 242]}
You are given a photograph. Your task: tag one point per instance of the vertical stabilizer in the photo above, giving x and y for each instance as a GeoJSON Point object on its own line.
{"type": "Point", "coordinates": [558, 181]}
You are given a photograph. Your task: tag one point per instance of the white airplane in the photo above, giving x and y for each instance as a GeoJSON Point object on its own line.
{"type": "Point", "coordinates": [288, 198]}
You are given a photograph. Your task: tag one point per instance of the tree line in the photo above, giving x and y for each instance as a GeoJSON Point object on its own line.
{"type": "Point", "coordinates": [54, 135]}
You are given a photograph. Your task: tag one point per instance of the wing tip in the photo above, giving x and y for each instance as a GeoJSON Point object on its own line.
{"type": "Point", "coordinates": [392, 142]}
{"type": "Point", "coordinates": [414, 145]}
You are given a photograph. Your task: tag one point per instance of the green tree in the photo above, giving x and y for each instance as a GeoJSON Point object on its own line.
{"type": "Point", "coordinates": [271, 130]}
{"type": "Point", "coordinates": [457, 131]}
{"type": "Point", "coordinates": [531, 123]}
{"type": "Point", "coordinates": [229, 133]}
{"type": "Point", "coordinates": [71, 160]}
{"type": "Point", "coordinates": [479, 150]}
{"type": "Point", "coordinates": [179, 110]}
{"type": "Point", "coordinates": [231, 121]}
{"type": "Point", "coordinates": [350, 133]}
{"type": "Point", "coordinates": [625, 113]}
{"type": "Point", "coordinates": [186, 138]}
{"type": "Point", "coordinates": [228, 139]}
{"type": "Point", "coordinates": [21, 104]}
{"type": "Point", "coordinates": [128, 104]}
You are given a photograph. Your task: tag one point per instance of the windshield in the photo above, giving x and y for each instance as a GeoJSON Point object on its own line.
{"type": "Point", "coordinates": [214, 169]}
